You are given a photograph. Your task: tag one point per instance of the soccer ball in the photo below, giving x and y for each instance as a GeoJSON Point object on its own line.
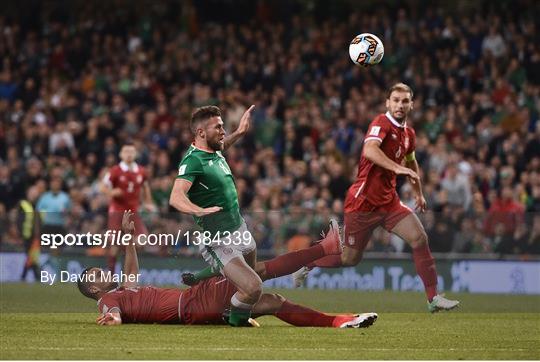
{"type": "Point", "coordinates": [366, 49]}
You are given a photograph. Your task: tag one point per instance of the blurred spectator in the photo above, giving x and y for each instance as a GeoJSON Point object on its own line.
{"type": "Point", "coordinates": [464, 239]}
{"type": "Point", "coordinates": [504, 212]}
{"type": "Point", "coordinates": [528, 239]}
{"type": "Point", "coordinates": [457, 187]}
{"type": "Point", "coordinates": [53, 206]}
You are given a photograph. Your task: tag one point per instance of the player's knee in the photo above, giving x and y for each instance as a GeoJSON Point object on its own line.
{"type": "Point", "coordinates": [421, 238]}
{"type": "Point", "coordinates": [350, 259]}
{"type": "Point", "coordinates": [254, 289]}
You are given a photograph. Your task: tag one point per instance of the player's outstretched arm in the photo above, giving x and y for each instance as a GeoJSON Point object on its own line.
{"type": "Point", "coordinates": [131, 263]}
{"type": "Point", "coordinates": [180, 201]}
{"type": "Point", "coordinates": [242, 129]}
{"type": "Point", "coordinates": [372, 151]}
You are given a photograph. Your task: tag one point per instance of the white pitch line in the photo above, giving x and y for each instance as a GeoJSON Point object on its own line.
{"type": "Point", "coordinates": [270, 349]}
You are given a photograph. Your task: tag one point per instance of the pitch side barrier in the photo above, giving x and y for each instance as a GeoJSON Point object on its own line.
{"type": "Point", "coordinates": [377, 272]}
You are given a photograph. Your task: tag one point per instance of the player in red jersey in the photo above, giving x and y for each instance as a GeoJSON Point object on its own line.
{"type": "Point", "coordinates": [123, 184]}
{"type": "Point", "coordinates": [204, 303]}
{"type": "Point", "coordinates": [372, 200]}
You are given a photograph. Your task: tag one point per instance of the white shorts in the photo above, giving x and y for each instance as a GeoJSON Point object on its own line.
{"type": "Point", "coordinates": [231, 245]}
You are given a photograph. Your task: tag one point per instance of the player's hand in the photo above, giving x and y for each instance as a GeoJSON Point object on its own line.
{"type": "Point", "coordinates": [128, 226]}
{"type": "Point", "coordinates": [150, 207]}
{"type": "Point", "coordinates": [108, 319]}
{"type": "Point", "coordinates": [116, 192]}
{"type": "Point", "coordinates": [421, 204]}
{"type": "Point", "coordinates": [245, 121]}
{"type": "Point", "coordinates": [208, 211]}
{"type": "Point", "coordinates": [189, 279]}
{"type": "Point", "coordinates": [413, 176]}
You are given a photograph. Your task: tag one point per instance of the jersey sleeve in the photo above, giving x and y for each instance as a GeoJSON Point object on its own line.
{"type": "Point", "coordinates": [108, 304]}
{"type": "Point", "coordinates": [110, 177]}
{"type": "Point", "coordinates": [377, 131]}
{"type": "Point", "coordinates": [412, 144]}
{"type": "Point", "coordinates": [189, 168]}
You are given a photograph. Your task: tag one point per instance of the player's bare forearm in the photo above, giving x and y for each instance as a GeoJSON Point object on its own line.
{"type": "Point", "coordinates": [232, 139]}
{"type": "Point", "coordinates": [243, 127]}
{"type": "Point", "coordinates": [105, 189]}
{"type": "Point", "coordinates": [131, 262]}
{"type": "Point", "coordinates": [109, 191]}
{"type": "Point", "coordinates": [373, 152]}
{"type": "Point", "coordinates": [180, 201]}
{"type": "Point", "coordinates": [417, 185]}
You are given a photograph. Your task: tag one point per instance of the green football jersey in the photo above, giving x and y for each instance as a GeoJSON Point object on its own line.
{"type": "Point", "coordinates": [212, 184]}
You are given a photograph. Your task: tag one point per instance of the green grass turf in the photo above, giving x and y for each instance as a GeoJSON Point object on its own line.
{"type": "Point", "coordinates": [41, 322]}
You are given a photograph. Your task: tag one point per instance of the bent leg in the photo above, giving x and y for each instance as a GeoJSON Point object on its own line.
{"type": "Point", "coordinates": [411, 230]}
{"type": "Point", "coordinates": [249, 286]}
{"type": "Point", "coordinates": [288, 263]}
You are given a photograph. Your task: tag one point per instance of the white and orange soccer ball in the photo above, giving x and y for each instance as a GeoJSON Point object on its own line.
{"type": "Point", "coordinates": [366, 49]}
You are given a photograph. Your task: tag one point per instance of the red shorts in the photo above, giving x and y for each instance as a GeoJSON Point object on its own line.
{"type": "Point", "coordinates": [115, 222]}
{"type": "Point", "coordinates": [205, 302]}
{"type": "Point", "coordinates": [359, 224]}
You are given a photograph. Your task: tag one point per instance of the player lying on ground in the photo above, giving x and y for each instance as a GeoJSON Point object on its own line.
{"type": "Point", "coordinates": [372, 200]}
{"type": "Point", "coordinates": [205, 303]}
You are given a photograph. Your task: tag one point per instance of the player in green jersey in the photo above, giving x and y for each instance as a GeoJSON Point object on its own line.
{"type": "Point", "coordinates": [205, 188]}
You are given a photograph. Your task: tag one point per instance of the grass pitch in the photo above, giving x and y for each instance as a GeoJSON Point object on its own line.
{"type": "Point", "coordinates": [41, 322]}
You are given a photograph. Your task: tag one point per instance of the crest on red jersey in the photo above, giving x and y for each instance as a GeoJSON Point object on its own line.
{"type": "Point", "coordinates": [406, 142]}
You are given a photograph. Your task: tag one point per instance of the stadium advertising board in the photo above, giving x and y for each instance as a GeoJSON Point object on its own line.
{"type": "Point", "coordinates": [516, 277]}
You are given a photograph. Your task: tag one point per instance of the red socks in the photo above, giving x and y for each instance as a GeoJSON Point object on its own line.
{"type": "Point", "coordinates": [330, 261]}
{"type": "Point", "coordinates": [425, 267]}
{"type": "Point", "coordinates": [289, 263]}
{"type": "Point", "coordinates": [300, 316]}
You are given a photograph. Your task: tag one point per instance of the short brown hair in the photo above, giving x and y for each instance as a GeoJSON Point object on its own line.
{"type": "Point", "coordinates": [202, 114]}
{"type": "Point", "coordinates": [400, 87]}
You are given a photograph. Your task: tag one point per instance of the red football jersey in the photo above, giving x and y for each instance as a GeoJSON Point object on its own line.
{"type": "Point", "coordinates": [130, 181]}
{"type": "Point", "coordinates": [143, 304]}
{"type": "Point", "coordinates": [374, 183]}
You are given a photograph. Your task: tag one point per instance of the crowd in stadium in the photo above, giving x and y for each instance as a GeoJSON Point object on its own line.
{"type": "Point", "coordinates": [74, 88]}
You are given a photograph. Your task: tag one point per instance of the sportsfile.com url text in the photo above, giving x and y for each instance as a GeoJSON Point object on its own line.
{"type": "Point", "coordinates": [119, 238]}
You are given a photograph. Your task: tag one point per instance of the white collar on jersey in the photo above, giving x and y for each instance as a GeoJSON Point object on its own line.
{"type": "Point", "coordinates": [125, 167]}
{"type": "Point", "coordinates": [202, 149]}
{"type": "Point", "coordinates": [393, 120]}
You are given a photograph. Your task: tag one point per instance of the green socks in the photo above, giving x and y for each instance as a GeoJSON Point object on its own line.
{"type": "Point", "coordinates": [239, 317]}
{"type": "Point", "coordinates": [206, 273]}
